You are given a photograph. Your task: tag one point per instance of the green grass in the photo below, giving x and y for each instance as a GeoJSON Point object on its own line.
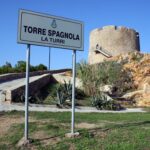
{"type": "Point", "coordinates": [129, 131]}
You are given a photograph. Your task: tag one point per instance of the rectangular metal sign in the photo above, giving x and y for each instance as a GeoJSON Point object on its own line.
{"type": "Point", "coordinates": [52, 31]}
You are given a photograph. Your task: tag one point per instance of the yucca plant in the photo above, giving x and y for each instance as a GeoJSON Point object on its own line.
{"type": "Point", "coordinates": [68, 90]}
{"type": "Point", "coordinates": [60, 96]}
{"type": "Point", "coordinates": [63, 92]}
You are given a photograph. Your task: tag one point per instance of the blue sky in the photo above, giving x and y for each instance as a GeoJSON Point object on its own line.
{"type": "Point", "coordinates": [94, 13]}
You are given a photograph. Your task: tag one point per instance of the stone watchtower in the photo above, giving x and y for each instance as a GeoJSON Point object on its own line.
{"type": "Point", "coordinates": [111, 41]}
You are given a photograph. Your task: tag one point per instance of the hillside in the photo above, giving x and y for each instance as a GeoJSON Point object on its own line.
{"type": "Point", "coordinates": [138, 65]}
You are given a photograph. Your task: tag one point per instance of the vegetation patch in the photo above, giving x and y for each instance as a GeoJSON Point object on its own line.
{"type": "Point", "coordinates": [97, 131]}
{"type": "Point", "coordinates": [20, 67]}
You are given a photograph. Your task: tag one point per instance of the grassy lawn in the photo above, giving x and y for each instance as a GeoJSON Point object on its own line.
{"type": "Point", "coordinates": [98, 131]}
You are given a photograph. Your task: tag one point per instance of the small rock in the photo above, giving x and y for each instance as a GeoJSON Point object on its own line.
{"type": "Point", "coordinates": [72, 135]}
{"type": "Point", "coordinates": [24, 142]}
{"type": "Point", "coordinates": [2, 96]}
{"type": "Point", "coordinates": [107, 89]}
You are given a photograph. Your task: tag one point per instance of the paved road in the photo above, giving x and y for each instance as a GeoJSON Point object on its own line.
{"type": "Point", "coordinates": [52, 108]}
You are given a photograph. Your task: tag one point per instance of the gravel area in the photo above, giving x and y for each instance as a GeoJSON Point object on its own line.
{"type": "Point", "coordinates": [53, 108]}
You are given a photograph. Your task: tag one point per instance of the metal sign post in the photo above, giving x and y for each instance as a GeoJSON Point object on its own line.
{"type": "Point", "coordinates": [73, 89]}
{"type": "Point", "coordinates": [27, 92]}
{"type": "Point", "coordinates": [49, 59]}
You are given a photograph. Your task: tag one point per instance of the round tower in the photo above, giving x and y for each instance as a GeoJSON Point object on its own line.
{"type": "Point", "coordinates": [111, 41]}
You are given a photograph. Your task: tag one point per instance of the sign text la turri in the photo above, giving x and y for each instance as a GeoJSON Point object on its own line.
{"type": "Point", "coordinates": [52, 31]}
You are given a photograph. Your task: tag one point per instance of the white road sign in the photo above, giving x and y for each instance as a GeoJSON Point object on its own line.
{"type": "Point", "coordinates": [46, 30]}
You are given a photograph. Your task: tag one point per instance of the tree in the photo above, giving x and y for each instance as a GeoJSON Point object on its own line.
{"type": "Point", "coordinates": [41, 67]}
{"type": "Point", "coordinates": [7, 68]}
{"type": "Point", "coordinates": [20, 66]}
{"type": "Point", "coordinates": [8, 64]}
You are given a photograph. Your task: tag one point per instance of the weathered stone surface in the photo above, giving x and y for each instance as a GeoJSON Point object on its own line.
{"type": "Point", "coordinates": [13, 90]}
{"type": "Point", "coordinates": [115, 40]}
{"type": "Point", "coordinates": [107, 89]}
{"type": "Point", "coordinates": [72, 135]}
{"type": "Point", "coordinates": [139, 66]}
{"type": "Point", "coordinates": [132, 95]}
{"type": "Point", "coordinates": [140, 69]}
{"type": "Point", "coordinates": [144, 101]}
{"type": "Point", "coordinates": [2, 96]}
{"type": "Point", "coordinates": [62, 77]}
{"type": "Point", "coordinates": [12, 86]}
{"type": "Point", "coordinates": [24, 143]}
{"type": "Point", "coordinates": [13, 76]}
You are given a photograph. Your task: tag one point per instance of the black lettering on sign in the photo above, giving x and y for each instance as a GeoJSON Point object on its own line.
{"type": "Point", "coordinates": [55, 40]}
{"type": "Point", "coordinates": [30, 29]}
{"type": "Point", "coordinates": [35, 30]}
{"type": "Point", "coordinates": [44, 39]}
{"type": "Point", "coordinates": [51, 33]}
{"type": "Point", "coordinates": [25, 28]}
{"type": "Point", "coordinates": [65, 35]}
{"type": "Point", "coordinates": [77, 37]}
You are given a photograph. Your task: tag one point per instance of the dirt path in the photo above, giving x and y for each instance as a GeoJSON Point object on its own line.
{"type": "Point", "coordinates": [6, 122]}
{"type": "Point", "coordinates": [53, 108]}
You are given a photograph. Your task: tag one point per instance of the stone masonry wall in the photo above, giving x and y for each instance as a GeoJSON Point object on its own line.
{"type": "Point", "coordinates": [14, 95]}
{"type": "Point", "coordinates": [12, 76]}
{"type": "Point", "coordinates": [115, 40]}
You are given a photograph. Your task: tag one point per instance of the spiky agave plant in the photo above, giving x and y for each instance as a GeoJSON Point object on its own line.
{"type": "Point", "coordinates": [64, 92]}
{"type": "Point", "coordinates": [68, 90]}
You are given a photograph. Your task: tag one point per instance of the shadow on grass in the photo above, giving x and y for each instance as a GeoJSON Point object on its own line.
{"type": "Point", "coordinates": [91, 132]}
{"type": "Point", "coordinates": [118, 126]}
{"type": "Point", "coordinates": [49, 138]}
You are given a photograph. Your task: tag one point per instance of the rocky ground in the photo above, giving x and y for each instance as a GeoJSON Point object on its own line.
{"type": "Point", "coordinates": [138, 65]}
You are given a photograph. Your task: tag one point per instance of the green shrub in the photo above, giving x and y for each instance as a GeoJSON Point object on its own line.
{"type": "Point", "coordinates": [84, 72]}
{"type": "Point", "coordinates": [63, 92]}
{"type": "Point", "coordinates": [105, 73]}
{"type": "Point", "coordinates": [7, 68]}
{"type": "Point", "coordinates": [101, 101]}
{"type": "Point", "coordinates": [41, 67]}
{"type": "Point", "coordinates": [136, 56]}
{"type": "Point", "coordinates": [20, 67]}
{"type": "Point", "coordinates": [124, 83]}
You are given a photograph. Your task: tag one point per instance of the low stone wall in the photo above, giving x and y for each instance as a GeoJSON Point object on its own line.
{"type": "Point", "coordinates": [13, 76]}
{"type": "Point", "coordinates": [61, 78]}
{"type": "Point", "coordinates": [17, 94]}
